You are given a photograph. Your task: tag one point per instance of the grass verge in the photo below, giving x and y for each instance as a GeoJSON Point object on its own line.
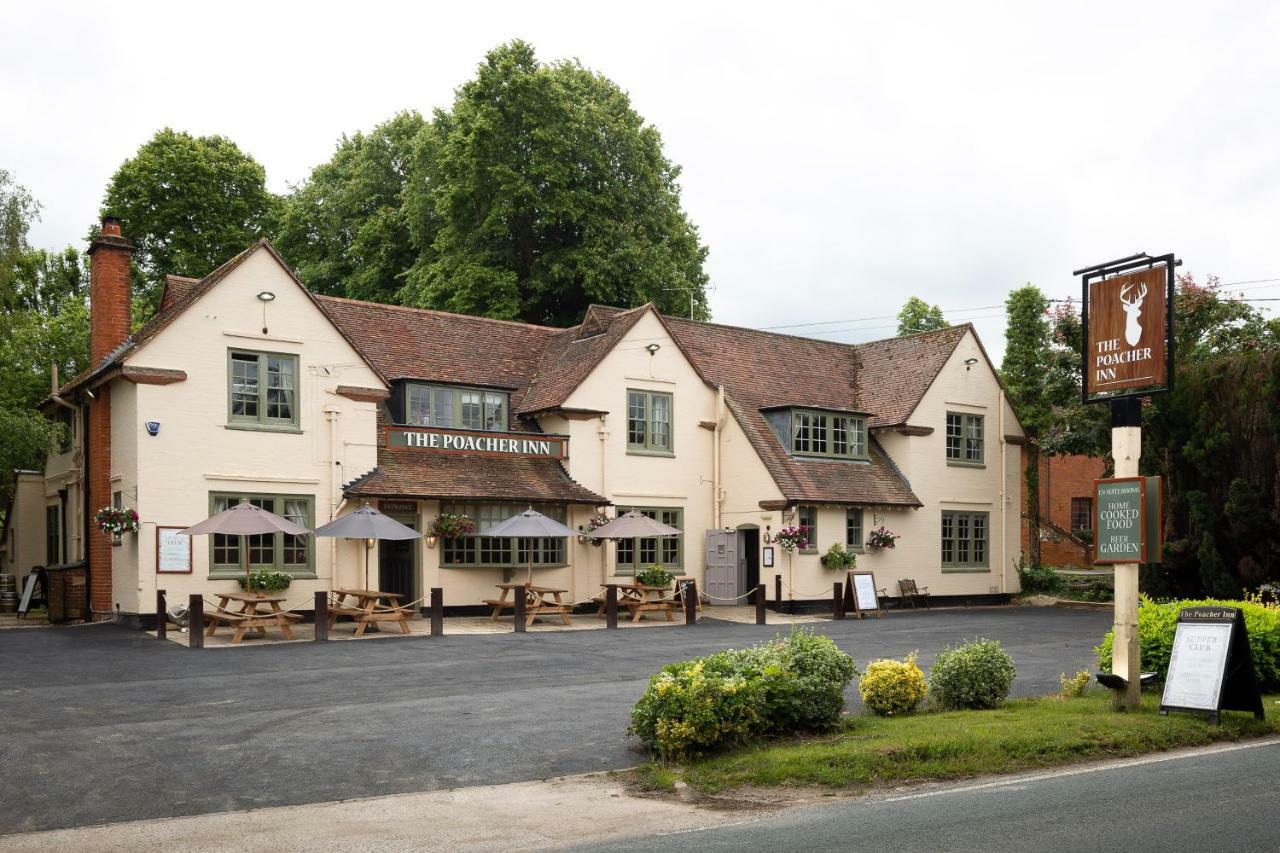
{"type": "Point", "coordinates": [1025, 734]}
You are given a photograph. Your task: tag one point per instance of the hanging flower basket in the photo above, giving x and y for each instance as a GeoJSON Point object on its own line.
{"type": "Point", "coordinates": [791, 538]}
{"type": "Point", "coordinates": [882, 537]}
{"type": "Point", "coordinates": [450, 526]}
{"type": "Point", "coordinates": [595, 523]}
{"type": "Point", "coordinates": [117, 520]}
{"type": "Point", "coordinates": [265, 580]}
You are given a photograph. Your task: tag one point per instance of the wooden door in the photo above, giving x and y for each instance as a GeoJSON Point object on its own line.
{"type": "Point", "coordinates": [722, 566]}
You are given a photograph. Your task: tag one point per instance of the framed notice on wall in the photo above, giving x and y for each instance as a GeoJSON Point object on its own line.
{"type": "Point", "coordinates": [768, 557]}
{"type": "Point", "coordinates": [173, 551]}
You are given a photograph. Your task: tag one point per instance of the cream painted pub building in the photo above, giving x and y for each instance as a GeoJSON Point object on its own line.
{"type": "Point", "coordinates": [245, 386]}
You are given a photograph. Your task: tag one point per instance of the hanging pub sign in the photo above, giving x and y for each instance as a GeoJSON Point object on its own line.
{"type": "Point", "coordinates": [1126, 520]}
{"type": "Point", "coordinates": [1211, 665]}
{"type": "Point", "coordinates": [1127, 314]}
{"type": "Point", "coordinates": [507, 444]}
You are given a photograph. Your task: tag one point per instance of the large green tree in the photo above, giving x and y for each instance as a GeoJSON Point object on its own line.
{"type": "Point", "coordinates": [1023, 371]}
{"type": "Point", "coordinates": [188, 203]}
{"type": "Point", "coordinates": [541, 191]}
{"type": "Point", "coordinates": [343, 230]}
{"type": "Point", "coordinates": [919, 316]}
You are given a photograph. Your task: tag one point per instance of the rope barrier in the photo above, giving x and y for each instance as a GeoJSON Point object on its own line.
{"type": "Point", "coordinates": [826, 593]}
{"type": "Point", "coordinates": [735, 598]}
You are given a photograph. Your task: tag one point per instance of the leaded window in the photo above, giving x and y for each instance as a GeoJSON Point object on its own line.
{"type": "Point", "coordinates": [648, 422]}
{"type": "Point", "coordinates": [965, 541]}
{"type": "Point", "coordinates": [636, 555]}
{"type": "Point", "coordinates": [262, 389]}
{"type": "Point", "coordinates": [965, 439]}
{"type": "Point", "coordinates": [828, 434]}
{"type": "Point", "coordinates": [276, 551]}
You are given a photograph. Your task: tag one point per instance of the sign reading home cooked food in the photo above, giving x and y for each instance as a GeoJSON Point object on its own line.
{"type": "Point", "coordinates": [508, 444]}
{"type": "Point", "coordinates": [1126, 520]}
{"type": "Point", "coordinates": [1127, 322]}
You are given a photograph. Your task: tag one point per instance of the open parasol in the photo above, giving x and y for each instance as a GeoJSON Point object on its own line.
{"type": "Point", "coordinates": [245, 519]}
{"type": "Point", "coordinates": [367, 523]}
{"type": "Point", "coordinates": [530, 524]}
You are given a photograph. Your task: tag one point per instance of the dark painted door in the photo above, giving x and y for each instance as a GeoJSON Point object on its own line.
{"type": "Point", "coordinates": [751, 553]}
{"type": "Point", "coordinates": [396, 567]}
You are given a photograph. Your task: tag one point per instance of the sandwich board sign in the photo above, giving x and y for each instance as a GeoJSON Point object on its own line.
{"type": "Point", "coordinates": [860, 591]}
{"type": "Point", "coordinates": [1211, 665]}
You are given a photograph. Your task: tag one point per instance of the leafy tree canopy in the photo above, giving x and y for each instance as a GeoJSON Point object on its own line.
{"type": "Point", "coordinates": [919, 316]}
{"type": "Point", "coordinates": [344, 229]}
{"type": "Point", "coordinates": [188, 203]}
{"type": "Point", "coordinates": [543, 191]}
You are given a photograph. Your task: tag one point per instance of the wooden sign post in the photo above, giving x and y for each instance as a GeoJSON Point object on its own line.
{"type": "Point", "coordinates": [1127, 314]}
{"type": "Point", "coordinates": [1211, 665]}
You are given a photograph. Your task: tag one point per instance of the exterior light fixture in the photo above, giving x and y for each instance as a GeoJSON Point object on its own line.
{"type": "Point", "coordinates": [969, 363]}
{"type": "Point", "coordinates": [431, 540]}
{"type": "Point", "coordinates": [369, 543]}
{"type": "Point", "coordinates": [653, 348]}
{"type": "Point", "coordinates": [266, 296]}
{"type": "Point", "coordinates": [768, 539]}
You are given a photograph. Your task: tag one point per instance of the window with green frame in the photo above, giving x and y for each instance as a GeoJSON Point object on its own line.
{"type": "Point", "coordinates": [853, 529]}
{"type": "Point", "coordinates": [648, 422]}
{"type": "Point", "coordinates": [964, 439]}
{"type": "Point", "coordinates": [262, 389]}
{"type": "Point", "coordinates": [279, 552]}
{"type": "Point", "coordinates": [636, 555]}
{"type": "Point", "coordinates": [490, 551]}
{"type": "Point", "coordinates": [807, 517]}
{"type": "Point", "coordinates": [964, 540]}
{"type": "Point", "coordinates": [827, 434]}
{"type": "Point", "coordinates": [455, 408]}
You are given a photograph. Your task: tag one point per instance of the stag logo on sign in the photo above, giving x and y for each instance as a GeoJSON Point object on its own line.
{"type": "Point", "coordinates": [1133, 310]}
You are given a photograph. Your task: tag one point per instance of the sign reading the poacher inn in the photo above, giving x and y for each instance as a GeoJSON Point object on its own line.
{"type": "Point", "coordinates": [1127, 326]}
{"type": "Point", "coordinates": [1119, 520]}
{"type": "Point", "coordinates": [510, 444]}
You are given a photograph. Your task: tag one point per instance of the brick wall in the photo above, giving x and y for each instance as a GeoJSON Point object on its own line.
{"type": "Point", "coordinates": [99, 550]}
{"type": "Point", "coordinates": [1061, 479]}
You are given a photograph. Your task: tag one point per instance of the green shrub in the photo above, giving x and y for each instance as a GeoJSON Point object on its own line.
{"type": "Point", "coordinates": [792, 683]}
{"type": "Point", "coordinates": [1157, 623]}
{"type": "Point", "coordinates": [892, 687]}
{"type": "Point", "coordinates": [1039, 579]}
{"type": "Point", "coordinates": [265, 580]}
{"type": "Point", "coordinates": [838, 559]}
{"type": "Point", "coordinates": [974, 675]}
{"type": "Point", "coordinates": [1074, 686]}
{"type": "Point", "coordinates": [655, 576]}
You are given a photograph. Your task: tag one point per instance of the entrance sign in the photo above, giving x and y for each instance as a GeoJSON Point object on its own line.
{"type": "Point", "coordinates": [1211, 665]}
{"type": "Point", "coordinates": [860, 591]}
{"type": "Point", "coordinates": [508, 444]}
{"type": "Point", "coordinates": [173, 551]}
{"type": "Point", "coordinates": [1120, 520]}
{"type": "Point", "coordinates": [1127, 321]}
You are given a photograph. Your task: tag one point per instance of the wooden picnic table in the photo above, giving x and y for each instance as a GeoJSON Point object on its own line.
{"type": "Point", "coordinates": [251, 616]}
{"type": "Point", "coordinates": [538, 600]}
{"type": "Point", "coordinates": [639, 599]}
{"type": "Point", "coordinates": [362, 606]}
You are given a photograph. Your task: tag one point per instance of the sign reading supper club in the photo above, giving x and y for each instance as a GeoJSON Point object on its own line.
{"type": "Point", "coordinates": [487, 443]}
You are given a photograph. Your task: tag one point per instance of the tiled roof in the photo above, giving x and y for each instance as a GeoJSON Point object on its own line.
{"type": "Point", "coordinates": [897, 372]}
{"type": "Point", "coordinates": [410, 474]}
{"type": "Point", "coordinates": [414, 343]}
{"type": "Point", "coordinates": [571, 355]}
{"type": "Point", "coordinates": [176, 288]}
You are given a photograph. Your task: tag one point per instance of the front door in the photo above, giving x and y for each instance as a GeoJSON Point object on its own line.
{"type": "Point", "coordinates": [397, 564]}
{"type": "Point", "coordinates": [722, 566]}
{"type": "Point", "coordinates": [748, 558]}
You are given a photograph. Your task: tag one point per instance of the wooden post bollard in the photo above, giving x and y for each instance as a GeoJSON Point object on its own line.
{"type": "Point", "coordinates": [611, 606]}
{"type": "Point", "coordinates": [690, 602]}
{"type": "Point", "coordinates": [195, 621]}
{"type": "Point", "coordinates": [837, 602]}
{"type": "Point", "coordinates": [162, 616]}
{"type": "Point", "coordinates": [322, 615]}
{"type": "Point", "coordinates": [522, 596]}
{"type": "Point", "coordinates": [777, 592]}
{"type": "Point", "coordinates": [437, 611]}
{"type": "Point", "coordinates": [760, 602]}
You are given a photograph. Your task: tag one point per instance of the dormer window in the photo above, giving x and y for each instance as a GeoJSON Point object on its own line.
{"type": "Point", "coordinates": [816, 433]}
{"type": "Point", "coordinates": [456, 408]}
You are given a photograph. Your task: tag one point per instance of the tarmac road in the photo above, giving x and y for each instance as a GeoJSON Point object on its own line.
{"type": "Point", "coordinates": [1221, 799]}
{"type": "Point", "coordinates": [101, 724]}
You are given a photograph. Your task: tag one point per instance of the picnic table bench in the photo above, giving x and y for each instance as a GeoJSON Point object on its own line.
{"type": "Point", "coordinates": [251, 616]}
{"type": "Point", "coordinates": [363, 607]}
{"type": "Point", "coordinates": [638, 600]}
{"type": "Point", "coordinates": [536, 603]}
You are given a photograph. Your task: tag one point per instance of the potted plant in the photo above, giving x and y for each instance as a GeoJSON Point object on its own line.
{"type": "Point", "coordinates": [791, 538]}
{"type": "Point", "coordinates": [881, 537]}
{"type": "Point", "coordinates": [264, 580]}
{"type": "Point", "coordinates": [837, 559]}
{"type": "Point", "coordinates": [655, 576]}
{"type": "Point", "coordinates": [450, 526]}
{"type": "Point", "coordinates": [116, 521]}
{"type": "Point", "coordinates": [595, 523]}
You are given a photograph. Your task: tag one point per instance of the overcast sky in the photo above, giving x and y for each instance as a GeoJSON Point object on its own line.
{"type": "Point", "coordinates": [837, 158]}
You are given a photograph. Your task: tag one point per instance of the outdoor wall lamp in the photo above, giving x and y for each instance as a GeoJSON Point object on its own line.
{"type": "Point", "coordinates": [369, 543]}
{"type": "Point", "coordinates": [768, 539]}
{"type": "Point", "coordinates": [653, 348]}
{"type": "Point", "coordinates": [431, 540]}
{"type": "Point", "coordinates": [969, 363]}
{"type": "Point", "coordinates": [266, 296]}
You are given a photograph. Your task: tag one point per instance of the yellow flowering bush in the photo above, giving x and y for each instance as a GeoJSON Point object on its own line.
{"type": "Point", "coordinates": [892, 687]}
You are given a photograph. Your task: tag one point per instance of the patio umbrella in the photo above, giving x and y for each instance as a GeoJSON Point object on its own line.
{"type": "Point", "coordinates": [530, 524]}
{"type": "Point", "coordinates": [631, 526]}
{"type": "Point", "coordinates": [367, 523]}
{"type": "Point", "coordinates": [245, 519]}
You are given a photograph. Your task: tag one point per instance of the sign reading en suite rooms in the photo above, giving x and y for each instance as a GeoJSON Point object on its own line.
{"type": "Point", "coordinates": [1127, 333]}
{"type": "Point", "coordinates": [487, 443]}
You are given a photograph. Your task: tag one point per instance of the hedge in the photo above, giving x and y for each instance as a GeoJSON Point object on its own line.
{"type": "Point", "coordinates": [1158, 621]}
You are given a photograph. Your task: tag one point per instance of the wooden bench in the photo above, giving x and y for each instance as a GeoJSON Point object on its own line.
{"type": "Point", "coordinates": [536, 604]}
{"type": "Point", "coordinates": [249, 621]}
{"type": "Point", "coordinates": [908, 591]}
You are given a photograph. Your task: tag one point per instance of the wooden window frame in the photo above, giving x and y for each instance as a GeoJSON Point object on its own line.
{"type": "Point", "coordinates": [224, 571]}
{"type": "Point", "coordinates": [261, 421]}
{"type": "Point", "coordinates": [955, 520]}
{"type": "Point", "coordinates": [965, 441]}
{"type": "Point", "coordinates": [808, 424]}
{"type": "Point", "coordinates": [812, 535]}
{"type": "Point", "coordinates": [487, 397]}
{"type": "Point", "coordinates": [675, 517]}
{"type": "Point", "coordinates": [1088, 514]}
{"type": "Point", "coordinates": [479, 551]}
{"type": "Point", "coordinates": [859, 546]}
{"type": "Point", "coordinates": [648, 447]}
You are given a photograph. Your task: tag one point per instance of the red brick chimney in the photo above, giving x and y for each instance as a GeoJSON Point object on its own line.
{"type": "Point", "coordinates": [110, 301]}
{"type": "Point", "coordinates": [109, 291]}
